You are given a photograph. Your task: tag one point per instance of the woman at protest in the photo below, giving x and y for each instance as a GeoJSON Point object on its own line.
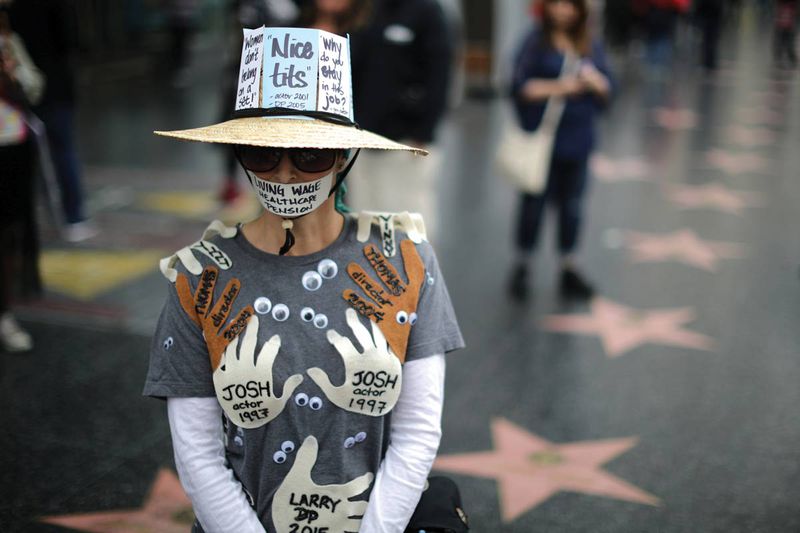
{"type": "Point", "coordinates": [302, 353]}
{"type": "Point", "coordinates": [586, 88]}
{"type": "Point", "coordinates": [21, 84]}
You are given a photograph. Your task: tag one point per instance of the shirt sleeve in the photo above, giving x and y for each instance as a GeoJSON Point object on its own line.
{"type": "Point", "coordinates": [436, 330]}
{"type": "Point", "coordinates": [217, 497]}
{"type": "Point", "coordinates": [179, 362]}
{"type": "Point", "coordinates": [413, 443]}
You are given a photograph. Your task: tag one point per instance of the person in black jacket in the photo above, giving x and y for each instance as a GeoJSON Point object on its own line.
{"type": "Point", "coordinates": [48, 29]}
{"type": "Point", "coordinates": [401, 70]}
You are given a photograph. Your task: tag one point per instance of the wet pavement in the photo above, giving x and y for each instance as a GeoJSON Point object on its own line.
{"type": "Point", "coordinates": [669, 403]}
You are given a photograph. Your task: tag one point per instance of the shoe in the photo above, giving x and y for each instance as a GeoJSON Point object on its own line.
{"type": "Point", "coordinates": [573, 285]}
{"type": "Point", "coordinates": [518, 283]}
{"type": "Point", "coordinates": [12, 336]}
{"type": "Point", "coordinates": [229, 193]}
{"type": "Point", "coordinates": [79, 231]}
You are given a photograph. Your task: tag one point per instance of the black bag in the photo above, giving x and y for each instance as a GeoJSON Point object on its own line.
{"type": "Point", "coordinates": [439, 509]}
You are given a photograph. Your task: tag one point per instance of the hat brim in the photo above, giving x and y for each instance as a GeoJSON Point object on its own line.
{"type": "Point", "coordinates": [288, 133]}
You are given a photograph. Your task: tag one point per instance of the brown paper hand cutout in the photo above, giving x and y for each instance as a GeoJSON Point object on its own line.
{"type": "Point", "coordinates": [213, 319]}
{"type": "Point", "coordinates": [391, 302]}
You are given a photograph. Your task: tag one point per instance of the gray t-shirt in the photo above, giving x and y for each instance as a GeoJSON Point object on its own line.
{"type": "Point", "coordinates": [303, 456]}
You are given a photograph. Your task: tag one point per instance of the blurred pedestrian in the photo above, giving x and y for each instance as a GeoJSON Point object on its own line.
{"type": "Point", "coordinates": [48, 29]}
{"type": "Point", "coordinates": [182, 20]}
{"type": "Point", "coordinates": [659, 19]}
{"type": "Point", "coordinates": [21, 83]}
{"type": "Point", "coordinates": [342, 17]}
{"type": "Point", "coordinates": [537, 77]}
{"type": "Point", "coordinates": [401, 72]}
{"type": "Point", "coordinates": [785, 31]}
{"type": "Point", "coordinates": [709, 15]}
{"type": "Point", "coordinates": [244, 14]}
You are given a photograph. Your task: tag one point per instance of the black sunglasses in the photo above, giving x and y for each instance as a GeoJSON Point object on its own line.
{"type": "Point", "coordinates": [264, 159]}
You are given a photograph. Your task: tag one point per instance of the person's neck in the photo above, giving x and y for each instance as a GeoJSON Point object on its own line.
{"type": "Point", "coordinates": [326, 22]}
{"type": "Point", "coordinates": [562, 41]}
{"type": "Point", "coordinates": [312, 232]}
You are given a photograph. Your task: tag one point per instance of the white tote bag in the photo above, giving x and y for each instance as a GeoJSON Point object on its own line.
{"type": "Point", "coordinates": [523, 157]}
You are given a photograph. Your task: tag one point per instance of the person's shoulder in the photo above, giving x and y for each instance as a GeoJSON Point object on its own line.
{"type": "Point", "coordinates": [213, 249]}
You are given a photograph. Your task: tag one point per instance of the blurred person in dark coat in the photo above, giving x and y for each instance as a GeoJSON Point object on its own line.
{"type": "Point", "coordinates": [48, 29]}
{"type": "Point", "coordinates": [401, 71]}
{"type": "Point", "coordinates": [20, 84]}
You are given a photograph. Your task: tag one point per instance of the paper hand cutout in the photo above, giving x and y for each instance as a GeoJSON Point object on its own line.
{"type": "Point", "coordinates": [302, 505]}
{"type": "Point", "coordinates": [411, 223]}
{"type": "Point", "coordinates": [186, 254]}
{"type": "Point", "coordinates": [392, 302]}
{"type": "Point", "coordinates": [198, 307]}
{"type": "Point", "coordinates": [373, 378]}
{"type": "Point", "coordinates": [244, 384]}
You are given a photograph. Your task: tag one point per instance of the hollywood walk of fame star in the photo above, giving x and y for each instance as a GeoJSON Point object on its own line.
{"type": "Point", "coordinates": [683, 246]}
{"type": "Point", "coordinates": [675, 119]}
{"type": "Point", "coordinates": [622, 169]}
{"type": "Point", "coordinates": [734, 162]}
{"type": "Point", "coordinates": [166, 509]}
{"type": "Point", "coordinates": [714, 196]}
{"type": "Point", "coordinates": [750, 137]}
{"type": "Point", "coordinates": [622, 328]}
{"type": "Point", "coordinates": [529, 469]}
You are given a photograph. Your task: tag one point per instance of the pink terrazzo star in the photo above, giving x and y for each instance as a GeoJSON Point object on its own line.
{"type": "Point", "coordinates": [529, 469]}
{"type": "Point", "coordinates": [620, 169]}
{"type": "Point", "coordinates": [683, 246]}
{"type": "Point", "coordinates": [750, 137]}
{"type": "Point", "coordinates": [166, 509]}
{"type": "Point", "coordinates": [675, 119]}
{"type": "Point", "coordinates": [621, 328]}
{"type": "Point", "coordinates": [714, 196]}
{"type": "Point", "coordinates": [735, 162]}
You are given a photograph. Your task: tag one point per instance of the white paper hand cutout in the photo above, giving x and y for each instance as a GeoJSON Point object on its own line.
{"type": "Point", "coordinates": [373, 379]}
{"type": "Point", "coordinates": [186, 254]}
{"type": "Point", "coordinates": [411, 223]}
{"type": "Point", "coordinates": [302, 505]}
{"type": "Point", "coordinates": [244, 385]}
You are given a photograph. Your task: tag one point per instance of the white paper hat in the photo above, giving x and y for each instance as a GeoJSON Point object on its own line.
{"type": "Point", "coordinates": [294, 91]}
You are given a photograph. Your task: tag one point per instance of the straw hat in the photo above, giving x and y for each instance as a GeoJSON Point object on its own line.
{"type": "Point", "coordinates": [263, 121]}
{"type": "Point", "coordinates": [288, 133]}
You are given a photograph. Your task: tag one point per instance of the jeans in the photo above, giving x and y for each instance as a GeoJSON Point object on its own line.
{"type": "Point", "coordinates": [59, 120]}
{"type": "Point", "coordinates": [565, 187]}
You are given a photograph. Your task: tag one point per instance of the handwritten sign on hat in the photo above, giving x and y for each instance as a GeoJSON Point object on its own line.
{"type": "Point", "coordinates": [295, 68]}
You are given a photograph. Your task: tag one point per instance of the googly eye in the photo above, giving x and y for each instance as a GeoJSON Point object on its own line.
{"type": "Point", "coordinates": [307, 314]}
{"type": "Point", "coordinates": [430, 279]}
{"type": "Point", "coordinates": [327, 269]}
{"type": "Point", "coordinates": [287, 446]}
{"type": "Point", "coordinates": [280, 312]}
{"type": "Point", "coordinates": [262, 305]}
{"type": "Point", "coordinates": [301, 399]}
{"type": "Point", "coordinates": [361, 436]}
{"type": "Point", "coordinates": [412, 318]}
{"type": "Point", "coordinates": [321, 321]}
{"type": "Point", "coordinates": [279, 457]}
{"type": "Point", "coordinates": [402, 317]}
{"type": "Point", "coordinates": [238, 440]}
{"type": "Point", "coordinates": [349, 442]}
{"type": "Point", "coordinates": [240, 432]}
{"type": "Point", "coordinates": [315, 403]}
{"type": "Point", "coordinates": [312, 280]}
{"type": "Point", "coordinates": [168, 342]}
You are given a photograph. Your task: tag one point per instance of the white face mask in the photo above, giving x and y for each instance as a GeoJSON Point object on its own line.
{"type": "Point", "coordinates": [290, 200]}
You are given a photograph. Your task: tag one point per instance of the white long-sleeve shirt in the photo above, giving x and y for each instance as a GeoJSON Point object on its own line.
{"type": "Point", "coordinates": [220, 503]}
